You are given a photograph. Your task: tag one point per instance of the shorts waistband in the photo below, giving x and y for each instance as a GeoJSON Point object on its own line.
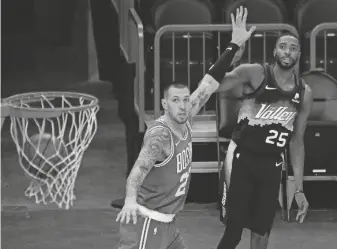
{"type": "Point", "coordinates": [155, 215]}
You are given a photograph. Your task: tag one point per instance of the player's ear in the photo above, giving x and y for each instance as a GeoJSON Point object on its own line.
{"type": "Point", "coordinates": [299, 54]}
{"type": "Point", "coordinates": [274, 52]}
{"type": "Point", "coordinates": [164, 103]}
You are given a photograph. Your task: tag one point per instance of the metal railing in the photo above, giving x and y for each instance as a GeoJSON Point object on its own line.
{"type": "Point", "coordinates": [124, 7]}
{"type": "Point", "coordinates": [313, 43]}
{"type": "Point", "coordinates": [201, 28]}
{"type": "Point", "coordinates": [136, 55]}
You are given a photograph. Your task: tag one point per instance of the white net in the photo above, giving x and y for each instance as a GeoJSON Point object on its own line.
{"type": "Point", "coordinates": [51, 144]}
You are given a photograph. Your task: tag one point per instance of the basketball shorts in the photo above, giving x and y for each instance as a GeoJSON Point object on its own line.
{"type": "Point", "coordinates": [150, 234]}
{"type": "Point", "coordinates": [252, 197]}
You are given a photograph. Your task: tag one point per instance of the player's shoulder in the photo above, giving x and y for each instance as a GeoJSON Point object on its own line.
{"type": "Point", "coordinates": [252, 72]}
{"type": "Point", "coordinates": [158, 132]}
{"type": "Point", "coordinates": [251, 68]}
{"type": "Point", "coordinates": [307, 92]}
{"type": "Point", "coordinates": [305, 87]}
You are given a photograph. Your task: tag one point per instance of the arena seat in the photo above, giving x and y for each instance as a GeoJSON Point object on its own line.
{"type": "Point", "coordinates": [167, 12]}
{"type": "Point", "coordinates": [324, 89]}
{"type": "Point", "coordinates": [170, 12]}
{"type": "Point", "coordinates": [310, 13]}
{"type": "Point", "coordinates": [320, 135]}
{"type": "Point", "coordinates": [260, 11]}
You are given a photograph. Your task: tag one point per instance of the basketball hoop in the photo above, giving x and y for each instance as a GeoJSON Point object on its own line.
{"type": "Point", "coordinates": [51, 131]}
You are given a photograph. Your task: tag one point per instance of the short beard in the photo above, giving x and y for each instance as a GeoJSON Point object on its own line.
{"type": "Point", "coordinates": [285, 67]}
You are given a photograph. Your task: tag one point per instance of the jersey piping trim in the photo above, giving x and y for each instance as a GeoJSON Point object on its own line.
{"type": "Point", "coordinates": [161, 120]}
{"type": "Point", "coordinates": [172, 146]}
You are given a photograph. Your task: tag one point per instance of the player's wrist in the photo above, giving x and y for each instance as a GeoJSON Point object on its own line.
{"type": "Point", "coordinates": [235, 45]}
{"type": "Point", "coordinates": [221, 66]}
{"type": "Point", "coordinates": [130, 200]}
{"type": "Point", "coordinates": [299, 191]}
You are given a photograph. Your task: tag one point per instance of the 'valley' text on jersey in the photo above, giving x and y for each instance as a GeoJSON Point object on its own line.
{"type": "Point", "coordinates": [266, 117]}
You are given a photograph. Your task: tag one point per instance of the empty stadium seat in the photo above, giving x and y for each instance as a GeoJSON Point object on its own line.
{"type": "Point", "coordinates": [259, 11]}
{"type": "Point", "coordinates": [182, 12]}
{"type": "Point", "coordinates": [309, 14]}
{"type": "Point", "coordinates": [324, 89]}
{"type": "Point", "coordinates": [170, 12]}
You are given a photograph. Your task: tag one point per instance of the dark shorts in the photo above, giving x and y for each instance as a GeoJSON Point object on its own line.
{"type": "Point", "coordinates": [252, 197]}
{"type": "Point", "coordinates": [149, 234]}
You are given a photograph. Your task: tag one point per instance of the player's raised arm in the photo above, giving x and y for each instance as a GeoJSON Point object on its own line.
{"type": "Point", "coordinates": [215, 74]}
{"type": "Point", "coordinates": [297, 152]}
{"type": "Point", "coordinates": [156, 142]}
{"type": "Point", "coordinates": [240, 75]}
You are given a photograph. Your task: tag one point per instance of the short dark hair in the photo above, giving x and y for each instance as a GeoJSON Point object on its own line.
{"type": "Point", "coordinates": [283, 34]}
{"type": "Point", "coordinates": [175, 84]}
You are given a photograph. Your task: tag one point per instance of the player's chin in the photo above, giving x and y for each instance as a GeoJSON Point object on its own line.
{"type": "Point", "coordinates": [288, 65]}
{"type": "Point", "coordinates": [181, 119]}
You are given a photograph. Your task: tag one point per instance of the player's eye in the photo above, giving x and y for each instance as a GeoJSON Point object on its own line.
{"type": "Point", "coordinates": [187, 100]}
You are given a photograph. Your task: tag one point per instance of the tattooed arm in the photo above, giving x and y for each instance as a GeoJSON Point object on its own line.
{"type": "Point", "coordinates": [208, 86]}
{"type": "Point", "coordinates": [157, 147]}
{"type": "Point", "coordinates": [201, 95]}
{"type": "Point", "coordinates": [157, 143]}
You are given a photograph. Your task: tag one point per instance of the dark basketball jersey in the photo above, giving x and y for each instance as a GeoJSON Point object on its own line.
{"type": "Point", "coordinates": [165, 187]}
{"type": "Point", "coordinates": [266, 117]}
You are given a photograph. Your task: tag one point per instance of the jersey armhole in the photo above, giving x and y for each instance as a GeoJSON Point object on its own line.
{"type": "Point", "coordinates": [172, 149]}
{"type": "Point", "coordinates": [302, 91]}
{"type": "Point", "coordinates": [260, 88]}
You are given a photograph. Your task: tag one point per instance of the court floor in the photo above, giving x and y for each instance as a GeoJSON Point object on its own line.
{"type": "Point", "coordinates": [91, 222]}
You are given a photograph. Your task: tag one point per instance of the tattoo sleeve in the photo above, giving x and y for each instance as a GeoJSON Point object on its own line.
{"type": "Point", "coordinates": [155, 141]}
{"type": "Point", "coordinates": [201, 95]}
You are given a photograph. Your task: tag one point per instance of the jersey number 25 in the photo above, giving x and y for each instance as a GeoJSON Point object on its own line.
{"type": "Point", "coordinates": [278, 138]}
{"type": "Point", "coordinates": [183, 182]}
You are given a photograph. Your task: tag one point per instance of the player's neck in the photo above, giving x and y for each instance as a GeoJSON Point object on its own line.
{"type": "Point", "coordinates": [280, 73]}
{"type": "Point", "coordinates": [178, 128]}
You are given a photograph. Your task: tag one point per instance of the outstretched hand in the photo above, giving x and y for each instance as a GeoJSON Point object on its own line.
{"type": "Point", "coordinates": [240, 34]}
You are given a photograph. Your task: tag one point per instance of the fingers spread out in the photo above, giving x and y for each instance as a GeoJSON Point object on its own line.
{"type": "Point", "coordinates": [233, 20]}
{"type": "Point", "coordinates": [244, 19]}
{"type": "Point", "coordinates": [134, 216]}
{"type": "Point", "coordinates": [127, 215]}
{"type": "Point", "coordinates": [120, 217]}
{"type": "Point", "coordinates": [252, 29]}
{"type": "Point", "coordinates": [240, 17]}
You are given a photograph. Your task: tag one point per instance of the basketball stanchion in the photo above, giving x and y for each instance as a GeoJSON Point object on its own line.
{"type": "Point", "coordinates": [51, 131]}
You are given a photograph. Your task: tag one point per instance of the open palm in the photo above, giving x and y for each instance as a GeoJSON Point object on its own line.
{"type": "Point", "coordinates": [240, 34]}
